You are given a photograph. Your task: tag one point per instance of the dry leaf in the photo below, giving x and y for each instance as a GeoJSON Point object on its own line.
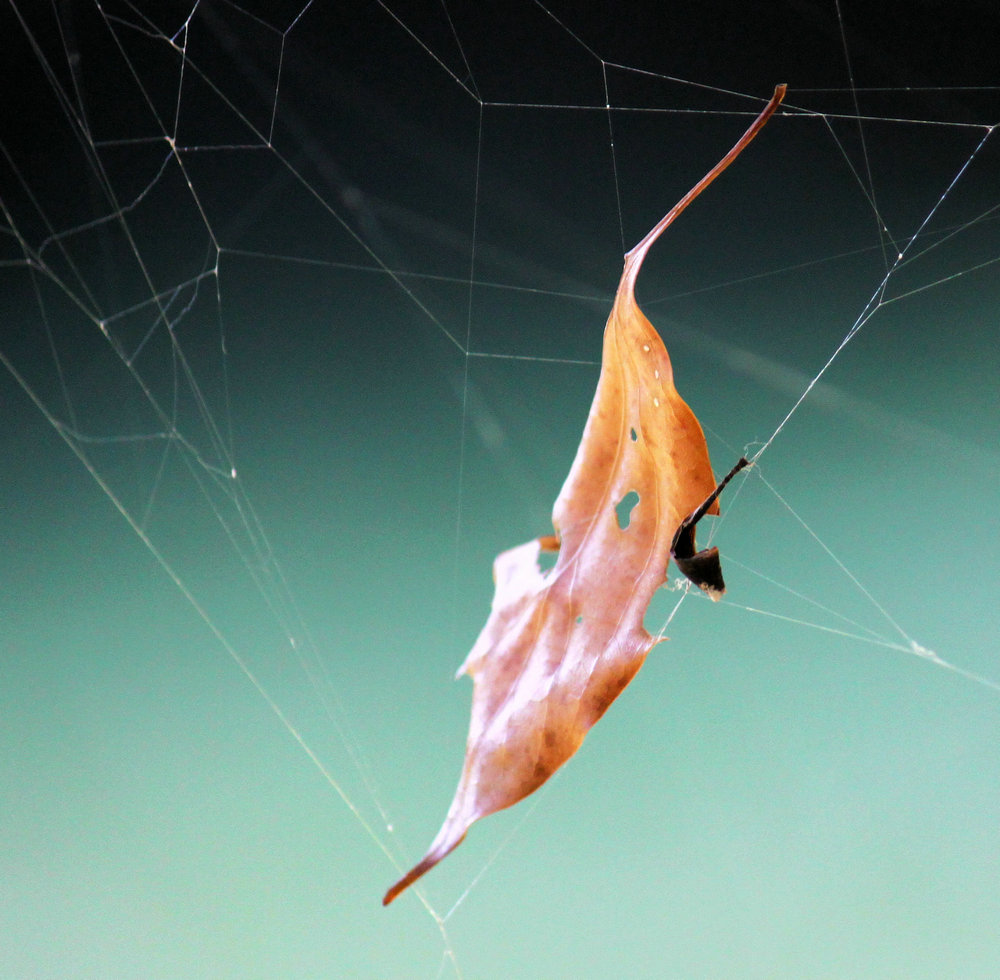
{"type": "Point", "coordinates": [560, 645]}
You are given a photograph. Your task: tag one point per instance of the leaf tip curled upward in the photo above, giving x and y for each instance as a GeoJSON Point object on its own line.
{"type": "Point", "coordinates": [703, 568]}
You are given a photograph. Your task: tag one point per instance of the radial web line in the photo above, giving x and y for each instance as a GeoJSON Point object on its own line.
{"type": "Point", "coordinates": [874, 302]}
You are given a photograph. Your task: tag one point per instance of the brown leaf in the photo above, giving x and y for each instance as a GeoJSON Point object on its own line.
{"type": "Point", "coordinates": [560, 645]}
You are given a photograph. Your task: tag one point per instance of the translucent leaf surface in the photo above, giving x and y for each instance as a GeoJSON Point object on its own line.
{"type": "Point", "coordinates": [560, 645]}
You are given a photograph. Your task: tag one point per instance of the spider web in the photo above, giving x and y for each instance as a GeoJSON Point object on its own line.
{"type": "Point", "coordinates": [315, 295]}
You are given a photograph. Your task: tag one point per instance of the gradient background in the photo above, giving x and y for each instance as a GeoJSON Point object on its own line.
{"type": "Point", "coordinates": [767, 799]}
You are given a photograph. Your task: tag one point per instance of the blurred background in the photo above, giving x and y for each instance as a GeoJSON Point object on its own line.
{"type": "Point", "coordinates": [302, 312]}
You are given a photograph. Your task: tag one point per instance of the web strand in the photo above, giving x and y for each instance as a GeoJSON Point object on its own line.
{"type": "Point", "coordinates": [876, 301]}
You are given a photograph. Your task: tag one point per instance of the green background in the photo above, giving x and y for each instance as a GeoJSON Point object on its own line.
{"type": "Point", "coordinates": [767, 799]}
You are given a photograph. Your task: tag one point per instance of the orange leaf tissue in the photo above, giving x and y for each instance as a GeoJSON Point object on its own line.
{"type": "Point", "coordinates": [560, 645]}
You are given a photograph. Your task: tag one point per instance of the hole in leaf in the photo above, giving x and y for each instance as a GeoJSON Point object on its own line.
{"type": "Point", "coordinates": [547, 560]}
{"type": "Point", "coordinates": [633, 434]}
{"type": "Point", "coordinates": [623, 509]}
